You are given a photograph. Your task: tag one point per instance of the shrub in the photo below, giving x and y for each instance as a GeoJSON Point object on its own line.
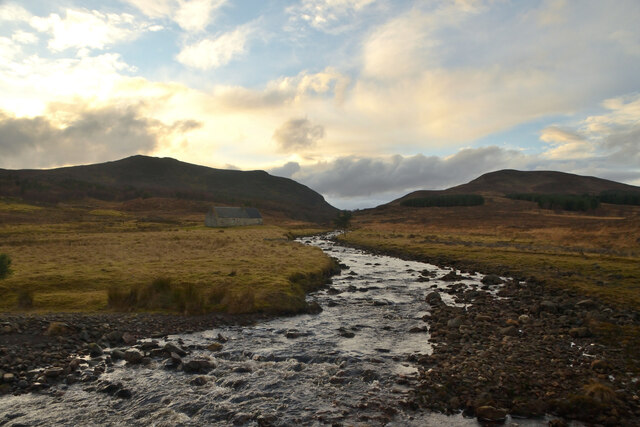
{"type": "Point", "coordinates": [567, 202]}
{"type": "Point", "coordinates": [5, 264]}
{"type": "Point", "coordinates": [445, 200]}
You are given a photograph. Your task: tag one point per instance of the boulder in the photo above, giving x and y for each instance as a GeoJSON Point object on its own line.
{"type": "Point", "coordinates": [214, 346]}
{"type": "Point", "coordinates": [580, 332]}
{"type": "Point", "coordinates": [56, 329]}
{"type": "Point", "coordinates": [451, 276]}
{"type": "Point", "coordinates": [94, 350]}
{"type": "Point", "coordinates": [128, 338]}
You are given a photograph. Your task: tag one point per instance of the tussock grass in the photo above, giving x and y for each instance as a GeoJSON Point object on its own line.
{"type": "Point", "coordinates": [75, 266]}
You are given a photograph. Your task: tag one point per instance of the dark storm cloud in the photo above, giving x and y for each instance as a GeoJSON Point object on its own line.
{"type": "Point", "coordinates": [298, 134]}
{"type": "Point", "coordinates": [92, 135]}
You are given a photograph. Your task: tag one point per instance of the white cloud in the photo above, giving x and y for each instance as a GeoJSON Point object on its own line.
{"type": "Point", "coordinates": [87, 29]}
{"type": "Point", "coordinates": [327, 15]}
{"type": "Point", "coordinates": [190, 15]}
{"type": "Point", "coordinates": [195, 15]}
{"type": "Point", "coordinates": [215, 52]}
{"type": "Point", "coordinates": [12, 12]}
{"type": "Point", "coordinates": [24, 37]}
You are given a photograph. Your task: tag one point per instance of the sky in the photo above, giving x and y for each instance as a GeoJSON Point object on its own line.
{"type": "Point", "coordinates": [361, 100]}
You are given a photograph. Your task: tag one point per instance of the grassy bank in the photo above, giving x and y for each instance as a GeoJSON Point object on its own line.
{"type": "Point", "coordinates": [111, 260]}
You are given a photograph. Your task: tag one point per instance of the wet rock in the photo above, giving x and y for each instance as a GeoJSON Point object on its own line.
{"type": "Point", "coordinates": [313, 308]}
{"type": "Point", "coordinates": [114, 337]}
{"type": "Point", "coordinates": [214, 346]}
{"type": "Point", "coordinates": [117, 354]}
{"type": "Point", "coordinates": [8, 378]}
{"type": "Point", "coordinates": [172, 348]}
{"type": "Point", "coordinates": [343, 332]}
{"type": "Point", "coordinates": [221, 339]}
{"type": "Point", "coordinates": [491, 280]}
{"type": "Point", "coordinates": [94, 350]}
{"type": "Point", "coordinates": [124, 394]}
{"type": "Point", "coordinates": [149, 345]}
{"type": "Point", "coordinates": [199, 381]}
{"type": "Point", "coordinates": [172, 362]}
{"type": "Point", "coordinates": [128, 338]}
{"type": "Point", "coordinates": [451, 276]}
{"type": "Point", "coordinates": [197, 366]}
{"type": "Point", "coordinates": [434, 298]}
{"type": "Point", "coordinates": [418, 329]}
{"type": "Point", "coordinates": [133, 356]}
{"type": "Point", "coordinates": [491, 414]}
{"type": "Point", "coordinates": [293, 334]}
{"type": "Point", "coordinates": [483, 318]}
{"type": "Point", "coordinates": [54, 372]}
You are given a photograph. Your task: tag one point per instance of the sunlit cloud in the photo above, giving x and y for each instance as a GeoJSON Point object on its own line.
{"type": "Point", "coordinates": [215, 52]}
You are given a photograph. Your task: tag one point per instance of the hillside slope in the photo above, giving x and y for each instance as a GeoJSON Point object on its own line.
{"type": "Point", "coordinates": [509, 181]}
{"type": "Point", "coordinates": [142, 177]}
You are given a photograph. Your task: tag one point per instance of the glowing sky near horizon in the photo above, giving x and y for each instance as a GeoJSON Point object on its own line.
{"type": "Point", "coordinates": [361, 100]}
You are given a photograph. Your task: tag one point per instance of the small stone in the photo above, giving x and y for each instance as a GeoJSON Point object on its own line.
{"type": "Point", "coordinates": [117, 354]}
{"type": "Point", "coordinates": [580, 332]}
{"type": "Point", "coordinates": [196, 366]}
{"type": "Point", "coordinates": [548, 306]}
{"type": "Point", "coordinates": [511, 331]}
{"type": "Point", "coordinates": [199, 381]}
{"type": "Point", "coordinates": [454, 323]}
{"type": "Point", "coordinates": [123, 394]}
{"type": "Point", "coordinates": [214, 346]}
{"type": "Point", "coordinates": [523, 318]}
{"type": "Point", "coordinates": [133, 356]}
{"type": "Point", "coordinates": [94, 350]}
{"type": "Point", "coordinates": [601, 366]}
{"type": "Point", "coordinates": [8, 378]}
{"type": "Point", "coordinates": [491, 280]}
{"type": "Point", "coordinates": [491, 414]}
{"type": "Point", "coordinates": [172, 348]}
{"type": "Point", "coordinates": [58, 329]}
{"type": "Point", "coordinates": [53, 372]}
{"type": "Point", "coordinates": [433, 298]}
{"type": "Point", "coordinates": [586, 304]}
{"type": "Point", "coordinates": [128, 338]}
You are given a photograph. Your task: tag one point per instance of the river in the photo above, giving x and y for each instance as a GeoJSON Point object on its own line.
{"type": "Point", "coordinates": [347, 365]}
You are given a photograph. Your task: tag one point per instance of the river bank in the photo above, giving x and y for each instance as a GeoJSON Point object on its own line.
{"type": "Point", "coordinates": [535, 349]}
{"type": "Point", "coordinates": [30, 342]}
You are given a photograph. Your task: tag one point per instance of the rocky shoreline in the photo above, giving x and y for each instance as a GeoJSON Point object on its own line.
{"type": "Point", "coordinates": [39, 350]}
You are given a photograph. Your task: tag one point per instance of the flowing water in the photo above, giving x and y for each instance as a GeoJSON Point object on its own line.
{"type": "Point", "coordinates": [347, 365]}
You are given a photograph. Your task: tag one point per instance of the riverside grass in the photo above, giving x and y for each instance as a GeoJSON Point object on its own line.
{"type": "Point", "coordinates": [76, 266]}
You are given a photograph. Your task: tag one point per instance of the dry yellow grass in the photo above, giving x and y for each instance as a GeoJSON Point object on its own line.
{"type": "Point", "coordinates": [70, 266]}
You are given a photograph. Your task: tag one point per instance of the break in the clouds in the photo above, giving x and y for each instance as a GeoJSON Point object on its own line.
{"type": "Point", "coordinates": [359, 99]}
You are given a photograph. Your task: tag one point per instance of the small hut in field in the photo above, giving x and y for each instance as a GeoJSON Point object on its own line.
{"type": "Point", "coordinates": [232, 217]}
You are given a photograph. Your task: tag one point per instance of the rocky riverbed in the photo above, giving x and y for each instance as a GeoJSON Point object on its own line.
{"type": "Point", "coordinates": [396, 341]}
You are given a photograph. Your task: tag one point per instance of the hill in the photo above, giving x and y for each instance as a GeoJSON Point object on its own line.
{"type": "Point", "coordinates": [143, 177]}
{"type": "Point", "coordinates": [509, 181]}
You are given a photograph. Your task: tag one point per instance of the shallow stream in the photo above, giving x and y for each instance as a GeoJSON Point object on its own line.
{"type": "Point", "coordinates": [347, 365]}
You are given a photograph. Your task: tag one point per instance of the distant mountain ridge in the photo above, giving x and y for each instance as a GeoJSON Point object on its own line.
{"type": "Point", "coordinates": [509, 181]}
{"type": "Point", "coordinates": [142, 176]}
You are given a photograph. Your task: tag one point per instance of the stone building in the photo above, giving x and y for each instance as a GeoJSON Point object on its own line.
{"type": "Point", "coordinates": [231, 217]}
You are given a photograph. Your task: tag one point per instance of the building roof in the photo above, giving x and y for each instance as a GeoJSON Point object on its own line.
{"type": "Point", "coordinates": [227, 212]}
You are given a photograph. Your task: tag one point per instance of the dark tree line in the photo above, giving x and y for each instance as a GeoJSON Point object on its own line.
{"type": "Point", "coordinates": [445, 200]}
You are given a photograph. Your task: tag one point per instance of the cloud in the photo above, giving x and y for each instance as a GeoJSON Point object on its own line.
{"type": "Point", "coordinates": [190, 15]}
{"type": "Point", "coordinates": [88, 29]}
{"type": "Point", "coordinates": [215, 52]}
{"type": "Point", "coordinates": [12, 12]}
{"type": "Point", "coordinates": [298, 135]}
{"type": "Point", "coordinates": [287, 170]}
{"type": "Point", "coordinates": [87, 135]}
{"type": "Point", "coordinates": [365, 176]}
{"type": "Point", "coordinates": [327, 15]}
